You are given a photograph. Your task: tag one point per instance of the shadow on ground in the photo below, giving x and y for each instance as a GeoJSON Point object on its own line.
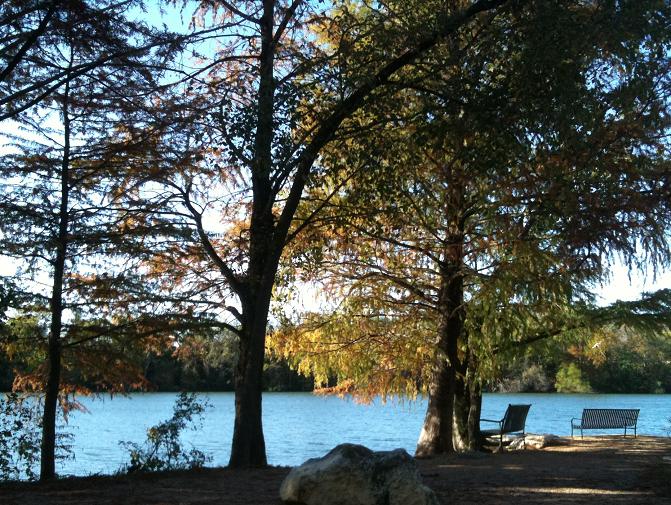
{"type": "Point", "coordinates": [609, 470]}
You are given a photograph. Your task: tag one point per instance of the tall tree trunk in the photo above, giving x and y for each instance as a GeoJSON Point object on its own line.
{"type": "Point", "coordinates": [467, 406]}
{"type": "Point", "coordinates": [475, 410]}
{"type": "Point", "coordinates": [249, 449]}
{"type": "Point", "coordinates": [462, 406]}
{"type": "Point", "coordinates": [48, 446]}
{"type": "Point", "coordinates": [437, 432]}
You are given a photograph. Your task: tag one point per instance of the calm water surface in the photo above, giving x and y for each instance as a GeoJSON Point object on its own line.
{"type": "Point", "coordinates": [299, 426]}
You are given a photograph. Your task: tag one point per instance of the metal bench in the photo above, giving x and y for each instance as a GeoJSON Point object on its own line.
{"type": "Point", "coordinates": [606, 419]}
{"type": "Point", "coordinates": [514, 421]}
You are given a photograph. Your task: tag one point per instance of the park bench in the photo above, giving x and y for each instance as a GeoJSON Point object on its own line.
{"type": "Point", "coordinates": [513, 422]}
{"type": "Point", "coordinates": [606, 419]}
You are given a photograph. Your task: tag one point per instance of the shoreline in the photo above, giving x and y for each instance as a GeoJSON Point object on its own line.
{"type": "Point", "coordinates": [395, 424]}
{"type": "Point", "coordinates": [596, 469]}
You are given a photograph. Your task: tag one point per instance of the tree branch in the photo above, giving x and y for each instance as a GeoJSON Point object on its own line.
{"type": "Point", "coordinates": [227, 272]}
{"type": "Point", "coordinates": [285, 21]}
{"type": "Point", "coordinates": [355, 101]}
{"type": "Point", "coordinates": [32, 39]}
{"type": "Point", "coordinates": [238, 12]}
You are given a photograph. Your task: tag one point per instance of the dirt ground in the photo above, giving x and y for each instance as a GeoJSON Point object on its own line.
{"type": "Point", "coordinates": [609, 470]}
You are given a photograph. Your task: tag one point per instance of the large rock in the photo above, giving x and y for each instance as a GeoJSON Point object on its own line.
{"type": "Point", "coordinates": [354, 475]}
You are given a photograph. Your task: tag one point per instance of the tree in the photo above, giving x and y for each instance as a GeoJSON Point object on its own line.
{"type": "Point", "coordinates": [80, 66]}
{"type": "Point", "coordinates": [504, 205]}
{"type": "Point", "coordinates": [30, 31]}
{"type": "Point", "coordinates": [270, 106]}
{"type": "Point", "coordinates": [620, 348]}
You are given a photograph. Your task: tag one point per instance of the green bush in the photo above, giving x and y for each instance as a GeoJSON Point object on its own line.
{"type": "Point", "coordinates": [570, 380]}
{"type": "Point", "coordinates": [632, 370]}
{"type": "Point", "coordinates": [21, 436]}
{"type": "Point", "coordinates": [19, 439]}
{"type": "Point", "coordinates": [163, 449]}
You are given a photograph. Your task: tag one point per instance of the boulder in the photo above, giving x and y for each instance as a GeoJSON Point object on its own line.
{"type": "Point", "coordinates": [354, 475]}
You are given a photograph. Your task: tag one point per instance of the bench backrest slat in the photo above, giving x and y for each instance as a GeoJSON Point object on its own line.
{"type": "Point", "coordinates": [609, 418]}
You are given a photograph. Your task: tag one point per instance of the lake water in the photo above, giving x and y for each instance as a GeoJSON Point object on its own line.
{"type": "Point", "coordinates": [299, 426]}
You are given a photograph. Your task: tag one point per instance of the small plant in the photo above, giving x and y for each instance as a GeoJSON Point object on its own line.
{"type": "Point", "coordinates": [163, 449]}
{"type": "Point", "coordinates": [20, 438]}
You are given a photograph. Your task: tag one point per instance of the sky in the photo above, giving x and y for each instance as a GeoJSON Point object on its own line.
{"type": "Point", "coordinates": [626, 287]}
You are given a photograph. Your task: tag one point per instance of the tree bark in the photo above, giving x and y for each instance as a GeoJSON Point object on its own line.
{"type": "Point", "coordinates": [467, 406]}
{"type": "Point", "coordinates": [48, 445]}
{"type": "Point", "coordinates": [248, 449]}
{"type": "Point", "coordinates": [474, 412]}
{"type": "Point", "coordinates": [437, 435]}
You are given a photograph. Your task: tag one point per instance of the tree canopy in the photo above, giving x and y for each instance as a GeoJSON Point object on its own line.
{"type": "Point", "coordinates": [453, 179]}
{"type": "Point", "coordinates": [488, 199]}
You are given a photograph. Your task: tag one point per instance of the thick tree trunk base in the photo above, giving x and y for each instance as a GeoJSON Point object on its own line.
{"type": "Point", "coordinates": [249, 448]}
{"type": "Point", "coordinates": [436, 435]}
{"type": "Point", "coordinates": [431, 444]}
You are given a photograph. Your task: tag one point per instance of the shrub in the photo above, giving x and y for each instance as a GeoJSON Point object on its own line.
{"type": "Point", "coordinates": [163, 449]}
{"type": "Point", "coordinates": [20, 438]}
{"type": "Point", "coordinates": [532, 378]}
{"type": "Point", "coordinates": [570, 380]}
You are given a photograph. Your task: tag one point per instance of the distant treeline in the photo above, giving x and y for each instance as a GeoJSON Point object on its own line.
{"type": "Point", "coordinates": [614, 361]}
{"type": "Point", "coordinates": [627, 363]}
{"type": "Point", "coordinates": [634, 366]}
{"type": "Point", "coordinates": [169, 373]}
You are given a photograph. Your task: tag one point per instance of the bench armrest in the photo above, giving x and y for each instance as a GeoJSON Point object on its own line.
{"type": "Point", "coordinates": [492, 420]}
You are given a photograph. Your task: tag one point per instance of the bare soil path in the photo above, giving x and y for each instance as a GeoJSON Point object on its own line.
{"type": "Point", "coordinates": [596, 470]}
{"type": "Point", "coordinates": [609, 470]}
